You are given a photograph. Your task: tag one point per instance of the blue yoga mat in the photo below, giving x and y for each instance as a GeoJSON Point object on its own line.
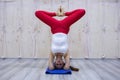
{"type": "Point", "coordinates": [58, 71]}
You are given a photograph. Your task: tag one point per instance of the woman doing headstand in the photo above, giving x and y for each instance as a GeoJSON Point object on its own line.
{"type": "Point", "coordinates": [59, 29]}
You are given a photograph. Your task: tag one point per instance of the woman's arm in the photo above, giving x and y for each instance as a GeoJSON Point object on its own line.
{"type": "Point", "coordinates": [50, 61]}
{"type": "Point", "coordinates": [67, 61]}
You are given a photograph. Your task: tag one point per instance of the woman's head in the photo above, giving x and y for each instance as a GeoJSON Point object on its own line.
{"type": "Point", "coordinates": [59, 63]}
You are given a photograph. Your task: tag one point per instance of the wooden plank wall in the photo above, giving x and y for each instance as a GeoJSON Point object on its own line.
{"type": "Point", "coordinates": [96, 35]}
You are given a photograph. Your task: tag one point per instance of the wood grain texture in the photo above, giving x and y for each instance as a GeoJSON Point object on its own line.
{"type": "Point", "coordinates": [95, 35]}
{"type": "Point", "coordinates": [29, 69]}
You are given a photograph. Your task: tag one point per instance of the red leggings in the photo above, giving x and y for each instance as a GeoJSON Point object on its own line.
{"type": "Point", "coordinates": [60, 25]}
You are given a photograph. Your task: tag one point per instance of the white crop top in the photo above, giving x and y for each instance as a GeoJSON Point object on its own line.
{"type": "Point", "coordinates": [59, 43]}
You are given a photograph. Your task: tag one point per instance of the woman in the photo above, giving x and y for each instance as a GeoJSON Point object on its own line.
{"type": "Point", "coordinates": [59, 57]}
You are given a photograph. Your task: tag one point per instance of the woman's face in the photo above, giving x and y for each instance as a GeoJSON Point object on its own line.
{"type": "Point", "coordinates": [59, 63]}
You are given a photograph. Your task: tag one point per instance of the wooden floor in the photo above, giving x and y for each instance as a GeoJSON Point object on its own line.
{"type": "Point", "coordinates": [34, 69]}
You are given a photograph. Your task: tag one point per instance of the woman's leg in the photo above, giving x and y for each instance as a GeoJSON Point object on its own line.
{"type": "Point", "coordinates": [46, 17]}
{"type": "Point", "coordinates": [73, 16]}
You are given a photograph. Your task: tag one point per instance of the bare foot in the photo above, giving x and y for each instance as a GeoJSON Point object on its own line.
{"type": "Point", "coordinates": [60, 12]}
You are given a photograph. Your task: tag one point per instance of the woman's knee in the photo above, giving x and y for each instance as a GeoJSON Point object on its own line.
{"type": "Point", "coordinates": [82, 11]}
{"type": "Point", "coordinates": [37, 13]}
